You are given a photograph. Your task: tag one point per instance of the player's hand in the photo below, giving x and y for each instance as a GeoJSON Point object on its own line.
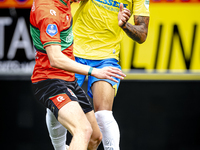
{"type": "Point", "coordinates": [123, 15]}
{"type": "Point", "coordinates": [108, 73]}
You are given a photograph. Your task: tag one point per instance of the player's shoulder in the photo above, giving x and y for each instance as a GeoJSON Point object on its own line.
{"type": "Point", "coordinates": [47, 10]}
{"type": "Point", "coordinates": [43, 13]}
{"type": "Point", "coordinates": [44, 9]}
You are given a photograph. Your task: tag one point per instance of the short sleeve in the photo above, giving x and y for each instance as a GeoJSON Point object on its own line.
{"type": "Point", "coordinates": [141, 7]}
{"type": "Point", "coordinates": [49, 25]}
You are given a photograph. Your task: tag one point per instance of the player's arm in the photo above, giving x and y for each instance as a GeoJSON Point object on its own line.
{"type": "Point", "coordinates": [137, 32]}
{"type": "Point", "coordinates": [59, 60]}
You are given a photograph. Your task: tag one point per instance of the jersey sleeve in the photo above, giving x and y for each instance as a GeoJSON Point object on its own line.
{"type": "Point", "coordinates": [49, 25]}
{"type": "Point", "coordinates": [141, 7]}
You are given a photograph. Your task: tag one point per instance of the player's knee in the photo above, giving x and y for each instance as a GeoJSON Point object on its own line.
{"type": "Point", "coordinates": [95, 140]}
{"type": "Point", "coordinates": [86, 131]}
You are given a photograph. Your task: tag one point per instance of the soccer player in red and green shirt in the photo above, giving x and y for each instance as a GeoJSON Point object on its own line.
{"type": "Point", "coordinates": [53, 78]}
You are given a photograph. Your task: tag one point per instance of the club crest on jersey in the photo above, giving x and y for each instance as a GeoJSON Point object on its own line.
{"type": "Point", "coordinates": [52, 29]}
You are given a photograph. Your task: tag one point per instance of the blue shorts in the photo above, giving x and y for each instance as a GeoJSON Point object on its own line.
{"type": "Point", "coordinates": [97, 64]}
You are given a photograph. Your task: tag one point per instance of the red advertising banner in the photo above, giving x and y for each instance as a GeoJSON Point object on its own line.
{"type": "Point", "coordinates": [28, 3]}
{"type": "Point", "coordinates": [16, 3]}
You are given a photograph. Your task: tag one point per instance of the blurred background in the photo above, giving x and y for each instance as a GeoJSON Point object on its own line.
{"type": "Point", "coordinates": [157, 105]}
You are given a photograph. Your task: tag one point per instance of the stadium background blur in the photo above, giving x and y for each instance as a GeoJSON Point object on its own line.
{"type": "Point", "coordinates": [157, 106]}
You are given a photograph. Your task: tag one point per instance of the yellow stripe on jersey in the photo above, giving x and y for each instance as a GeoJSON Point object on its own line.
{"type": "Point", "coordinates": [96, 31]}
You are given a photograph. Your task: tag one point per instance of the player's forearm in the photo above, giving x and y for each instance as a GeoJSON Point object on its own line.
{"type": "Point", "coordinates": [67, 64]}
{"type": "Point", "coordinates": [70, 65]}
{"type": "Point", "coordinates": [135, 32]}
{"type": "Point", "coordinates": [59, 60]}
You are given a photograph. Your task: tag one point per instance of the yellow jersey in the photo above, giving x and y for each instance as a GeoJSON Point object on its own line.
{"type": "Point", "coordinates": [96, 32]}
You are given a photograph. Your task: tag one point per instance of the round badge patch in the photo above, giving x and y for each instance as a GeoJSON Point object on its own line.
{"type": "Point", "coordinates": [52, 29]}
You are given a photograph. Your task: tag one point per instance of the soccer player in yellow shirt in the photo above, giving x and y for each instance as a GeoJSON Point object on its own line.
{"type": "Point", "coordinates": [99, 26]}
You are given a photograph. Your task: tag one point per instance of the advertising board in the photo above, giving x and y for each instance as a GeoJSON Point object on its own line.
{"type": "Point", "coordinates": [171, 50]}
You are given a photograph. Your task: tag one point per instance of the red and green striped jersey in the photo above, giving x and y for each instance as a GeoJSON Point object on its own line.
{"type": "Point", "coordinates": [51, 23]}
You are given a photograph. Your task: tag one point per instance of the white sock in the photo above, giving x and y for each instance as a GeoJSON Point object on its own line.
{"type": "Point", "coordinates": [109, 128]}
{"type": "Point", "coordinates": [57, 132]}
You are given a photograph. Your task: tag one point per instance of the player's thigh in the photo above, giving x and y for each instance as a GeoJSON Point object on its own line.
{"type": "Point", "coordinates": [73, 118]}
{"type": "Point", "coordinates": [96, 135]}
{"type": "Point", "coordinates": [103, 95]}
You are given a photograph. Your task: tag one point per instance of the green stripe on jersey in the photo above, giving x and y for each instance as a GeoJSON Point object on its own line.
{"type": "Point", "coordinates": [66, 37]}
{"type": "Point", "coordinates": [50, 43]}
{"type": "Point", "coordinates": [63, 2]}
{"type": "Point", "coordinates": [35, 33]}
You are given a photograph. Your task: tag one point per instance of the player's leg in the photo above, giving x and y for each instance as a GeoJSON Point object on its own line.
{"type": "Point", "coordinates": [96, 136]}
{"type": "Point", "coordinates": [73, 118]}
{"type": "Point", "coordinates": [87, 108]}
{"type": "Point", "coordinates": [56, 131]}
{"type": "Point", "coordinates": [63, 103]}
{"type": "Point", "coordinates": [103, 93]}
{"type": "Point", "coordinates": [103, 96]}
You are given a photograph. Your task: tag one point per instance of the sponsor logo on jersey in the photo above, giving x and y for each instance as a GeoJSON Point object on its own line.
{"type": "Point", "coordinates": [110, 5]}
{"type": "Point", "coordinates": [69, 37]}
{"type": "Point", "coordinates": [52, 12]}
{"type": "Point", "coordinates": [52, 29]}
